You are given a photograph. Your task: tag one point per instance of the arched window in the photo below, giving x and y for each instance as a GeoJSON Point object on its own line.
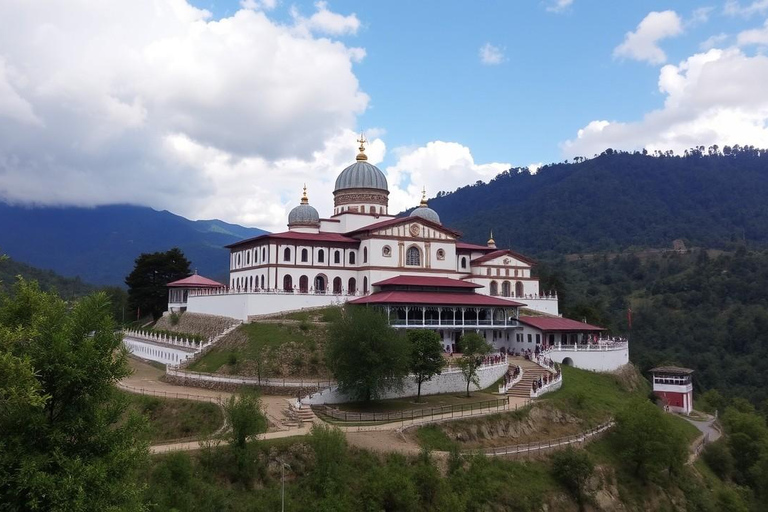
{"type": "Point", "coordinates": [463, 262]}
{"type": "Point", "coordinates": [440, 254]}
{"type": "Point", "coordinates": [365, 285]}
{"type": "Point", "coordinates": [288, 284]}
{"type": "Point", "coordinates": [494, 288]}
{"type": "Point", "coordinates": [321, 256]}
{"type": "Point", "coordinates": [337, 285]}
{"type": "Point", "coordinates": [337, 256]}
{"type": "Point", "coordinates": [303, 284]}
{"type": "Point", "coordinates": [319, 283]}
{"type": "Point", "coordinates": [365, 255]}
{"type": "Point", "coordinates": [262, 282]}
{"type": "Point", "coordinates": [263, 254]}
{"type": "Point", "coordinates": [413, 256]}
{"type": "Point", "coordinates": [304, 255]}
{"type": "Point", "coordinates": [287, 254]}
{"type": "Point", "coordinates": [248, 258]}
{"type": "Point", "coordinates": [373, 209]}
{"type": "Point", "coordinates": [250, 283]}
{"type": "Point", "coordinates": [518, 289]}
{"type": "Point", "coordinates": [386, 251]}
{"type": "Point", "coordinates": [238, 259]}
{"type": "Point", "coordinates": [351, 286]}
{"type": "Point", "coordinates": [506, 289]}
{"type": "Point", "coordinates": [351, 257]}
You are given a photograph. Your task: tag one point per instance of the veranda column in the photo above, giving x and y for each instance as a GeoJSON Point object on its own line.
{"type": "Point", "coordinates": [439, 316]}
{"type": "Point", "coordinates": [423, 315]}
{"type": "Point", "coordinates": [406, 315]}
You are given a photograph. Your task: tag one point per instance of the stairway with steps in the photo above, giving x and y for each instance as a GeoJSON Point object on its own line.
{"type": "Point", "coordinates": [531, 372]}
{"type": "Point", "coordinates": [295, 417]}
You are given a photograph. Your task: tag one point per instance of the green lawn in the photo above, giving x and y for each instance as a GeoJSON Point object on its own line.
{"type": "Point", "coordinates": [409, 403]}
{"type": "Point", "coordinates": [328, 314]}
{"type": "Point", "coordinates": [175, 419]}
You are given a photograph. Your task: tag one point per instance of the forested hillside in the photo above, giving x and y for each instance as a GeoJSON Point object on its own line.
{"type": "Point", "coordinates": [706, 311]}
{"type": "Point", "coordinates": [619, 200]}
{"type": "Point", "coordinates": [48, 280]}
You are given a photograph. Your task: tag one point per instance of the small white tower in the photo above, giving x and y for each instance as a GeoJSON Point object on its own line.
{"type": "Point", "coordinates": [674, 387]}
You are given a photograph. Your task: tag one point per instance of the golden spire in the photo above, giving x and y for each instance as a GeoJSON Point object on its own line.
{"type": "Point", "coordinates": [304, 198]}
{"type": "Point", "coordinates": [361, 155]}
{"type": "Point", "coordinates": [423, 197]}
{"type": "Point", "coordinates": [491, 241]}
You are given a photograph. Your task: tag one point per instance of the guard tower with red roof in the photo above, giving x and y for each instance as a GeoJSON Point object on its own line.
{"type": "Point", "coordinates": [674, 386]}
{"type": "Point", "coordinates": [178, 291]}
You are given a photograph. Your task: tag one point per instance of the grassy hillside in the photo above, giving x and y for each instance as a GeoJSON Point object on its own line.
{"type": "Point", "coordinates": [67, 288]}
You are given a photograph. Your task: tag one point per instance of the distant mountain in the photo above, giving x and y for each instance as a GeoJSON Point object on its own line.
{"type": "Point", "coordinates": [66, 287]}
{"type": "Point", "coordinates": [100, 244]}
{"type": "Point", "coordinates": [618, 200]}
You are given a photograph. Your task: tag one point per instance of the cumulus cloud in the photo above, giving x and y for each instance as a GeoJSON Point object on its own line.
{"type": "Point", "coordinates": [757, 36]}
{"type": "Point", "coordinates": [152, 102]}
{"type": "Point", "coordinates": [734, 8]}
{"type": "Point", "coordinates": [491, 55]}
{"type": "Point", "coordinates": [716, 97]}
{"type": "Point", "coordinates": [326, 22]}
{"type": "Point", "coordinates": [437, 166]}
{"type": "Point", "coordinates": [559, 5]}
{"type": "Point", "coordinates": [642, 44]}
{"type": "Point", "coordinates": [267, 5]}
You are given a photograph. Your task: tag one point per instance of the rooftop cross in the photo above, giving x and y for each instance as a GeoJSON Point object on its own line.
{"type": "Point", "coordinates": [362, 141]}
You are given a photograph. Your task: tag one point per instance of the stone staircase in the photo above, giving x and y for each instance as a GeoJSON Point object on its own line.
{"type": "Point", "coordinates": [295, 417]}
{"type": "Point", "coordinates": [531, 372]}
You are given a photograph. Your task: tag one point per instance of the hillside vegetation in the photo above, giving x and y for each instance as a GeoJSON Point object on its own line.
{"type": "Point", "coordinates": [618, 200]}
{"type": "Point", "coordinates": [67, 288]}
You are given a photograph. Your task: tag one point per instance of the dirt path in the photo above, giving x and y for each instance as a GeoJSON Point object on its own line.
{"type": "Point", "coordinates": [383, 441]}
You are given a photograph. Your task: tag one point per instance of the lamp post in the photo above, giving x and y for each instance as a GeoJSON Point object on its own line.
{"type": "Point", "coordinates": [283, 465]}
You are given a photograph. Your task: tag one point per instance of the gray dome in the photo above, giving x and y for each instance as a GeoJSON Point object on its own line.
{"type": "Point", "coordinates": [427, 213]}
{"type": "Point", "coordinates": [304, 215]}
{"type": "Point", "coordinates": [361, 174]}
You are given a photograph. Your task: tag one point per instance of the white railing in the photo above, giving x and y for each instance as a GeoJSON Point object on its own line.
{"type": "Point", "coordinates": [509, 383]}
{"type": "Point", "coordinates": [600, 346]}
{"type": "Point", "coordinates": [488, 361]}
{"type": "Point", "coordinates": [174, 371]}
{"type": "Point", "coordinates": [167, 339]}
{"type": "Point", "coordinates": [553, 384]}
{"type": "Point", "coordinates": [204, 292]}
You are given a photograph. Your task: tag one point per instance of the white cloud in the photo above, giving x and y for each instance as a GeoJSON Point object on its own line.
{"type": "Point", "coordinates": [700, 16]}
{"type": "Point", "coordinates": [713, 41]}
{"type": "Point", "coordinates": [152, 102]}
{"type": "Point", "coordinates": [437, 166]}
{"type": "Point", "coordinates": [534, 168]}
{"type": "Point", "coordinates": [715, 97]}
{"type": "Point", "coordinates": [734, 8]}
{"type": "Point", "coordinates": [757, 36]}
{"type": "Point", "coordinates": [491, 55]}
{"type": "Point", "coordinates": [256, 5]}
{"type": "Point", "coordinates": [326, 22]}
{"type": "Point", "coordinates": [559, 5]}
{"type": "Point", "coordinates": [642, 44]}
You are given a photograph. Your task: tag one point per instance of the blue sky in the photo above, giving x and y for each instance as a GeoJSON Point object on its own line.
{"type": "Point", "coordinates": [226, 109]}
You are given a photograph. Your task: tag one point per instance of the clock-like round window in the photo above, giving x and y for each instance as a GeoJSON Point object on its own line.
{"type": "Point", "coordinates": [440, 254]}
{"type": "Point", "coordinates": [415, 229]}
{"type": "Point", "coordinates": [386, 251]}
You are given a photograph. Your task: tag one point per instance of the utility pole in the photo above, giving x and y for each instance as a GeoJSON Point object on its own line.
{"type": "Point", "coordinates": [283, 465]}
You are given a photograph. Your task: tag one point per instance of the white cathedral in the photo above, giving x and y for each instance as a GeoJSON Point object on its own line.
{"type": "Point", "coordinates": [413, 267]}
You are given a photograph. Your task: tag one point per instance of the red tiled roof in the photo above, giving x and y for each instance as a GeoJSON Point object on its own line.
{"type": "Point", "coordinates": [195, 281]}
{"type": "Point", "coordinates": [401, 220]}
{"type": "Point", "coordinates": [304, 237]}
{"type": "Point", "coordinates": [549, 323]}
{"type": "Point", "coordinates": [473, 247]}
{"type": "Point", "coordinates": [440, 282]}
{"type": "Point", "coordinates": [436, 298]}
{"type": "Point", "coordinates": [503, 252]}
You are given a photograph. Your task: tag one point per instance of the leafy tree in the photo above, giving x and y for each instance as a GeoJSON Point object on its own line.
{"type": "Point", "coordinates": [365, 354]}
{"type": "Point", "coordinates": [66, 443]}
{"type": "Point", "coordinates": [147, 292]}
{"type": "Point", "coordinates": [330, 448]}
{"type": "Point", "coordinates": [719, 459]}
{"type": "Point", "coordinates": [573, 469]}
{"type": "Point", "coordinates": [647, 439]}
{"type": "Point", "coordinates": [426, 356]}
{"type": "Point", "coordinates": [245, 418]}
{"type": "Point", "coordinates": [473, 350]}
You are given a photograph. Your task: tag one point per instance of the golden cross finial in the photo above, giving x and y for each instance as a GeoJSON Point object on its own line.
{"type": "Point", "coordinates": [304, 198]}
{"type": "Point", "coordinates": [362, 141]}
{"type": "Point", "coordinates": [423, 196]}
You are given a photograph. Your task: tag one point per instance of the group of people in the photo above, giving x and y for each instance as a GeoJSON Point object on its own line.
{"type": "Point", "coordinates": [512, 373]}
{"type": "Point", "coordinates": [545, 379]}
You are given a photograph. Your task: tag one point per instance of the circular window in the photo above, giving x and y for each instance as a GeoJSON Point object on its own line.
{"type": "Point", "coordinates": [440, 254]}
{"type": "Point", "coordinates": [386, 251]}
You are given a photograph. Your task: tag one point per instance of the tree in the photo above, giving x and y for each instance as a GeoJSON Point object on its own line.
{"type": "Point", "coordinates": [66, 441]}
{"type": "Point", "coordinates": [330, 448]}
{"type": "Point", "coordinates": [573, 468]}
{"type": "Point", "coordinates": [245, 418]}
{"type": "Point", "coordinates": [473, 350]}
{"type": "Point", "coordinates": [365, 354]}
{"type": "Point", "coordinates": [147, 292]}
{"type": "Point", "coordinates": [426, 356]}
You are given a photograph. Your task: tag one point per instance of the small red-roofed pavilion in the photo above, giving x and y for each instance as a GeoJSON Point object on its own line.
{"type": "Point", "coordinates": [178, 291]}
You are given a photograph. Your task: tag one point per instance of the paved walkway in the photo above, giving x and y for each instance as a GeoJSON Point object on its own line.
{"type": "Point", "coordinates": [709, 434]}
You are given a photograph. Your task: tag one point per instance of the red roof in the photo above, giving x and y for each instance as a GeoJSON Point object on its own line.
{"type": "Point", "coordinates": [436, 298]}
{"type": "Point", "coordinates": [401, 220]}
{"type": "Point", "coordinates": [304, 237]}
{"type": "Point", "coordinates": [195, 281]}
{"type": "Point", "coordinates": [473, 247]}
{"type": "Point", "coordinates": [550, 323]}
{"type": "Point", "coordinates": [503, 252]}
{"type": "Point", "coordinates": [440, 282]}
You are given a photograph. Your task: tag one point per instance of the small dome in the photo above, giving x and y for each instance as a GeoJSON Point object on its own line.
{"type": "Point", "coordinates": [424, 211]}
{"type": "Point", "coordinates": [304, 214]}
{"type": "Point", "coordinates": [427, 213]}
{"type": "Point", "coordinates": [361, 174]}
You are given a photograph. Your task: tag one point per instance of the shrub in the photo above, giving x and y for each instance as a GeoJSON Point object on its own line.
{"type": "Point", "coordinates": [232, 359]}
{"type": "Point", "coordinates": [719, 459]}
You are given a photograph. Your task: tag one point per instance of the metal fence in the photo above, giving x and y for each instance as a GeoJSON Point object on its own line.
{"type": "Point", "coordinates": [165, 394]}
{"type": "Point", "coordinates": [550, 444]}
{"type": "Point", "coordinates": [248, 381]}
{"type": "Point", "coordinates": [455, 411]}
